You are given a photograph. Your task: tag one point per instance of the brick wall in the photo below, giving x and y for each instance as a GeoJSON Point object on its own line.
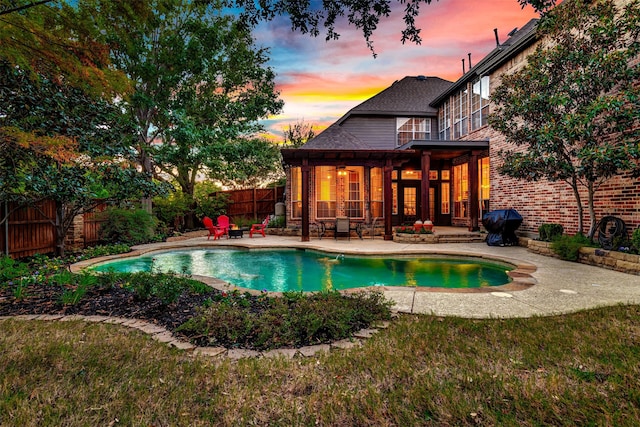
{"type": "Point", "coordinates": [553, 202]}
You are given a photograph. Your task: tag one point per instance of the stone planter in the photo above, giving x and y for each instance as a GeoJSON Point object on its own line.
{"type": "Point", "coordinates": [415, 238]}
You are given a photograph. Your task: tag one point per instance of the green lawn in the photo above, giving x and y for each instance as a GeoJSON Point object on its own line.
{"type": "Point", "coordinates": [578, 369]}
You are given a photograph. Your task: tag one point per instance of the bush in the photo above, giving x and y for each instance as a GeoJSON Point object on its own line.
{"type": "Point", "coordinates": [103, 250]}
{"type": "Point", "coordinates": [167, 287]}
{"type": "Point", "coordinates": [549, 232]}
{"type": "Point", "coordinates": [294, 320]}
{"type": "Point", "coordinates": [635, 239]}
{"type": "Point", "coordinates": [277, 222]}
{"type": "Point", "coordinates": [568, 247]}
{"type": "Point", "coordinates": [11, 269]}
{"type": "Point", "coordinates": [128, 226]}
{"type": "Point", "coordinates": [170, 211]}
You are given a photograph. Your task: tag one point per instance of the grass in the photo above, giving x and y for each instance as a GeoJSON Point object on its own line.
{"type": "Point", "coordinates": [576, 369]}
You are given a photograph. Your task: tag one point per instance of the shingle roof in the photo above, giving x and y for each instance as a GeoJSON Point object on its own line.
{"type": "Point", "coordinates": [409, 96]}
{"type": "Point", "coordinates": [335, 137]}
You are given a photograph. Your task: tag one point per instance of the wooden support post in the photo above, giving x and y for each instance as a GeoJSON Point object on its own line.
{"type": "Point", "coordinates": [305, 199]}
{"type": "Point", "coordinates": [424, 186]}
{"type": "Point", "coordinates": [388, 200]}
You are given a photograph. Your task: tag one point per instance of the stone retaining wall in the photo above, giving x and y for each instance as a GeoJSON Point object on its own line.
{"type": "Point", "coordinates": [613, 260]}
{"type": "Point", "coordinates": [415, 238]}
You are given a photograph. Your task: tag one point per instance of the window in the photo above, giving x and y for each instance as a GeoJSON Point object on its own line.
{"type": "Point", "coordinates": [460, 190]}
{"type": "Point", "coordinates": [445, 198]}
{"type": "Point", "coordinates": [296, 192]}
{"type": "Point", "coordinates": [376, 193]}
{"type": "Point", "coordinates": [412, 128]}
{"type": "Point", "coordinates": [339, 192]}
{"type": "Point", "coordinates": [410, 201]}
{"type": "Point", "coordinates": [325, 192]}
{"type": "Point", "coordinates": [460, 113]}
{"type": "Point", "coordinates": [484, 184]}
{"type": "Point", "coordinates": [444, 122]}
{"type": "Point", "coordinates": [480, 103]}
{"type": "Point", "coordinates": [410, 174]}
{"type": "Point", "coordinates": [353, 194]}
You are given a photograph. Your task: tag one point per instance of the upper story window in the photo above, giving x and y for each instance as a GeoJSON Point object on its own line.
{"type": "Point", "coordinates": [480, 102]}
{"type": "Point", "coordinates": [460, 113]}
{"type": "Point", "coordinates": [444, 120]}
{"type": "Point", "coordinates": [412, 128]}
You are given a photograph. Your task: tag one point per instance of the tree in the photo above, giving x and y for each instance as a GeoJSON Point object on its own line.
{"type": "Point", "coordinates": [574, 106]}
{"type": "Point", "coordinates": [247, 163]}
{"type": "Point", "coordinates": [199, 82]}
{"type": "Point", "coordinates": [297, 134]}
{"type": "Point", "coordinates": [50, 39]}
{"type": "Point", "coordinates": [61, 144]}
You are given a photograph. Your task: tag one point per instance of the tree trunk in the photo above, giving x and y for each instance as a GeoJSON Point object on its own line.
{"type": "Point", "coordinates": [592, 211]}
{"type": "Point", "coordinates": [576, 194]}
{"type": "Point", "coordinates": [188, 188]}
{"type": "Point", "coordinates": [60, 229]}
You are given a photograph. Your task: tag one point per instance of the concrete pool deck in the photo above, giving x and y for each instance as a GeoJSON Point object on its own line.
{"type": "Point", "coordinates": [560, 286]}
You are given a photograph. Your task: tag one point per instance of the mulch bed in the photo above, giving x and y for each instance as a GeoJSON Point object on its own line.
{"type": "Point", "coordinates": [115, 302]}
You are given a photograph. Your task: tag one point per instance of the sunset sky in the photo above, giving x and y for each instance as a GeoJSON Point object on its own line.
{"type": "Point", "coordinates": [320, 81]}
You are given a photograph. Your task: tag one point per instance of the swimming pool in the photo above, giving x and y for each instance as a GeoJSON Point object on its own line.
{"type": "Point", "coordinates": [280, 270]}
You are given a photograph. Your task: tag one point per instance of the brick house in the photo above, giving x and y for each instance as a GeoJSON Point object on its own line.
{"type": "Point", "coordinates": [422, 149]}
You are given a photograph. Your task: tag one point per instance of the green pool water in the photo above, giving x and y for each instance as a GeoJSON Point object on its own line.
{"type": "Point", "coordinates": [305, 270]}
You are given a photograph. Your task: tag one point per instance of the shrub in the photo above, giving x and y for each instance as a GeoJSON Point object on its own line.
{"type": "Point", "coordinates": [549, 232]}
{"type": "Point", "coordinates": [128, 226]}
{"type": "Point", "coordinates": [11, 269]}
{"type": "Point", "coordinates": [635, 239]}
{"type": "Point", "coordinates": [168, 287]}
{"type": "Point", "coordinates": [168, 209]}
{"type": "Point", "coordinates": [211, 206]}
{"type": "Point", "coordinates": [277, 222]}
{"type": "Point", "coordinates": [103, 250]}
{"type": "Point", "coordinates": [568, 247]}
{"type": "Point", "coordinates": [296, 319]}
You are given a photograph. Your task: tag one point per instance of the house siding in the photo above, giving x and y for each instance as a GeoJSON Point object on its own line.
{"type": "Point", "coordinates": [379, 133]}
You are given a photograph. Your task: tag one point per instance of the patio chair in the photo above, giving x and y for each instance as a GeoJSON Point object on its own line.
{"type": "Point", "coordinates": [225, 224]}
{"type": "Point", "coordinates": [214, 231]}
{"type": "Point", "coordinates": [342, 227]}
{"type": "Point", "coordinates": [259, 228]}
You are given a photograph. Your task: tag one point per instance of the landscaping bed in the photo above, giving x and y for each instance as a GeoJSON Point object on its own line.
{"type": "Point", "coordinates": [189, 309]}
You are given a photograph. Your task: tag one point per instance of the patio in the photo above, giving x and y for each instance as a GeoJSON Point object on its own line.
{"type": "Point", "coordinates": [560, 286]}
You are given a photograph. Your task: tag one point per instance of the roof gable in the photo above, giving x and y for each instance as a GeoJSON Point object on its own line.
{"type": "Point", "coordinates": [410, 96]}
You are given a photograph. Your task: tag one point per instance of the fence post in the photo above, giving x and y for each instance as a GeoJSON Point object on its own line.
{"type": "Point", "coordinates": [6, 228]}
{"type": "Point", "coordinates": [255, 205]}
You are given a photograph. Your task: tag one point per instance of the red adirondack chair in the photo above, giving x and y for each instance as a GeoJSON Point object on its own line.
{"type": "Point", "coordinates": [214, 231]}
{"type": "Point", "coordinates": [223, 222]}
{"type": "Point", "coordinates": [259, 228]}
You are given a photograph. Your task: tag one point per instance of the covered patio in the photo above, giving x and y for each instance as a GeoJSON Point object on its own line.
{"type": "Point", "coordinates": [424, 159]}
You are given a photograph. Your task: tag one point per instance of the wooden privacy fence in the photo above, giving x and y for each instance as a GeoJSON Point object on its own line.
{"type": "Point", "coordinates": [254, 203]}
{"type": "Point", "coordinates": [28, 231]}
{"type": "Point", "coordinates": [91, 225]}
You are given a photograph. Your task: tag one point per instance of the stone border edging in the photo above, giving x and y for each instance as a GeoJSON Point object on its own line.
{"type": "Point", "coordinates": [165, 336]}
